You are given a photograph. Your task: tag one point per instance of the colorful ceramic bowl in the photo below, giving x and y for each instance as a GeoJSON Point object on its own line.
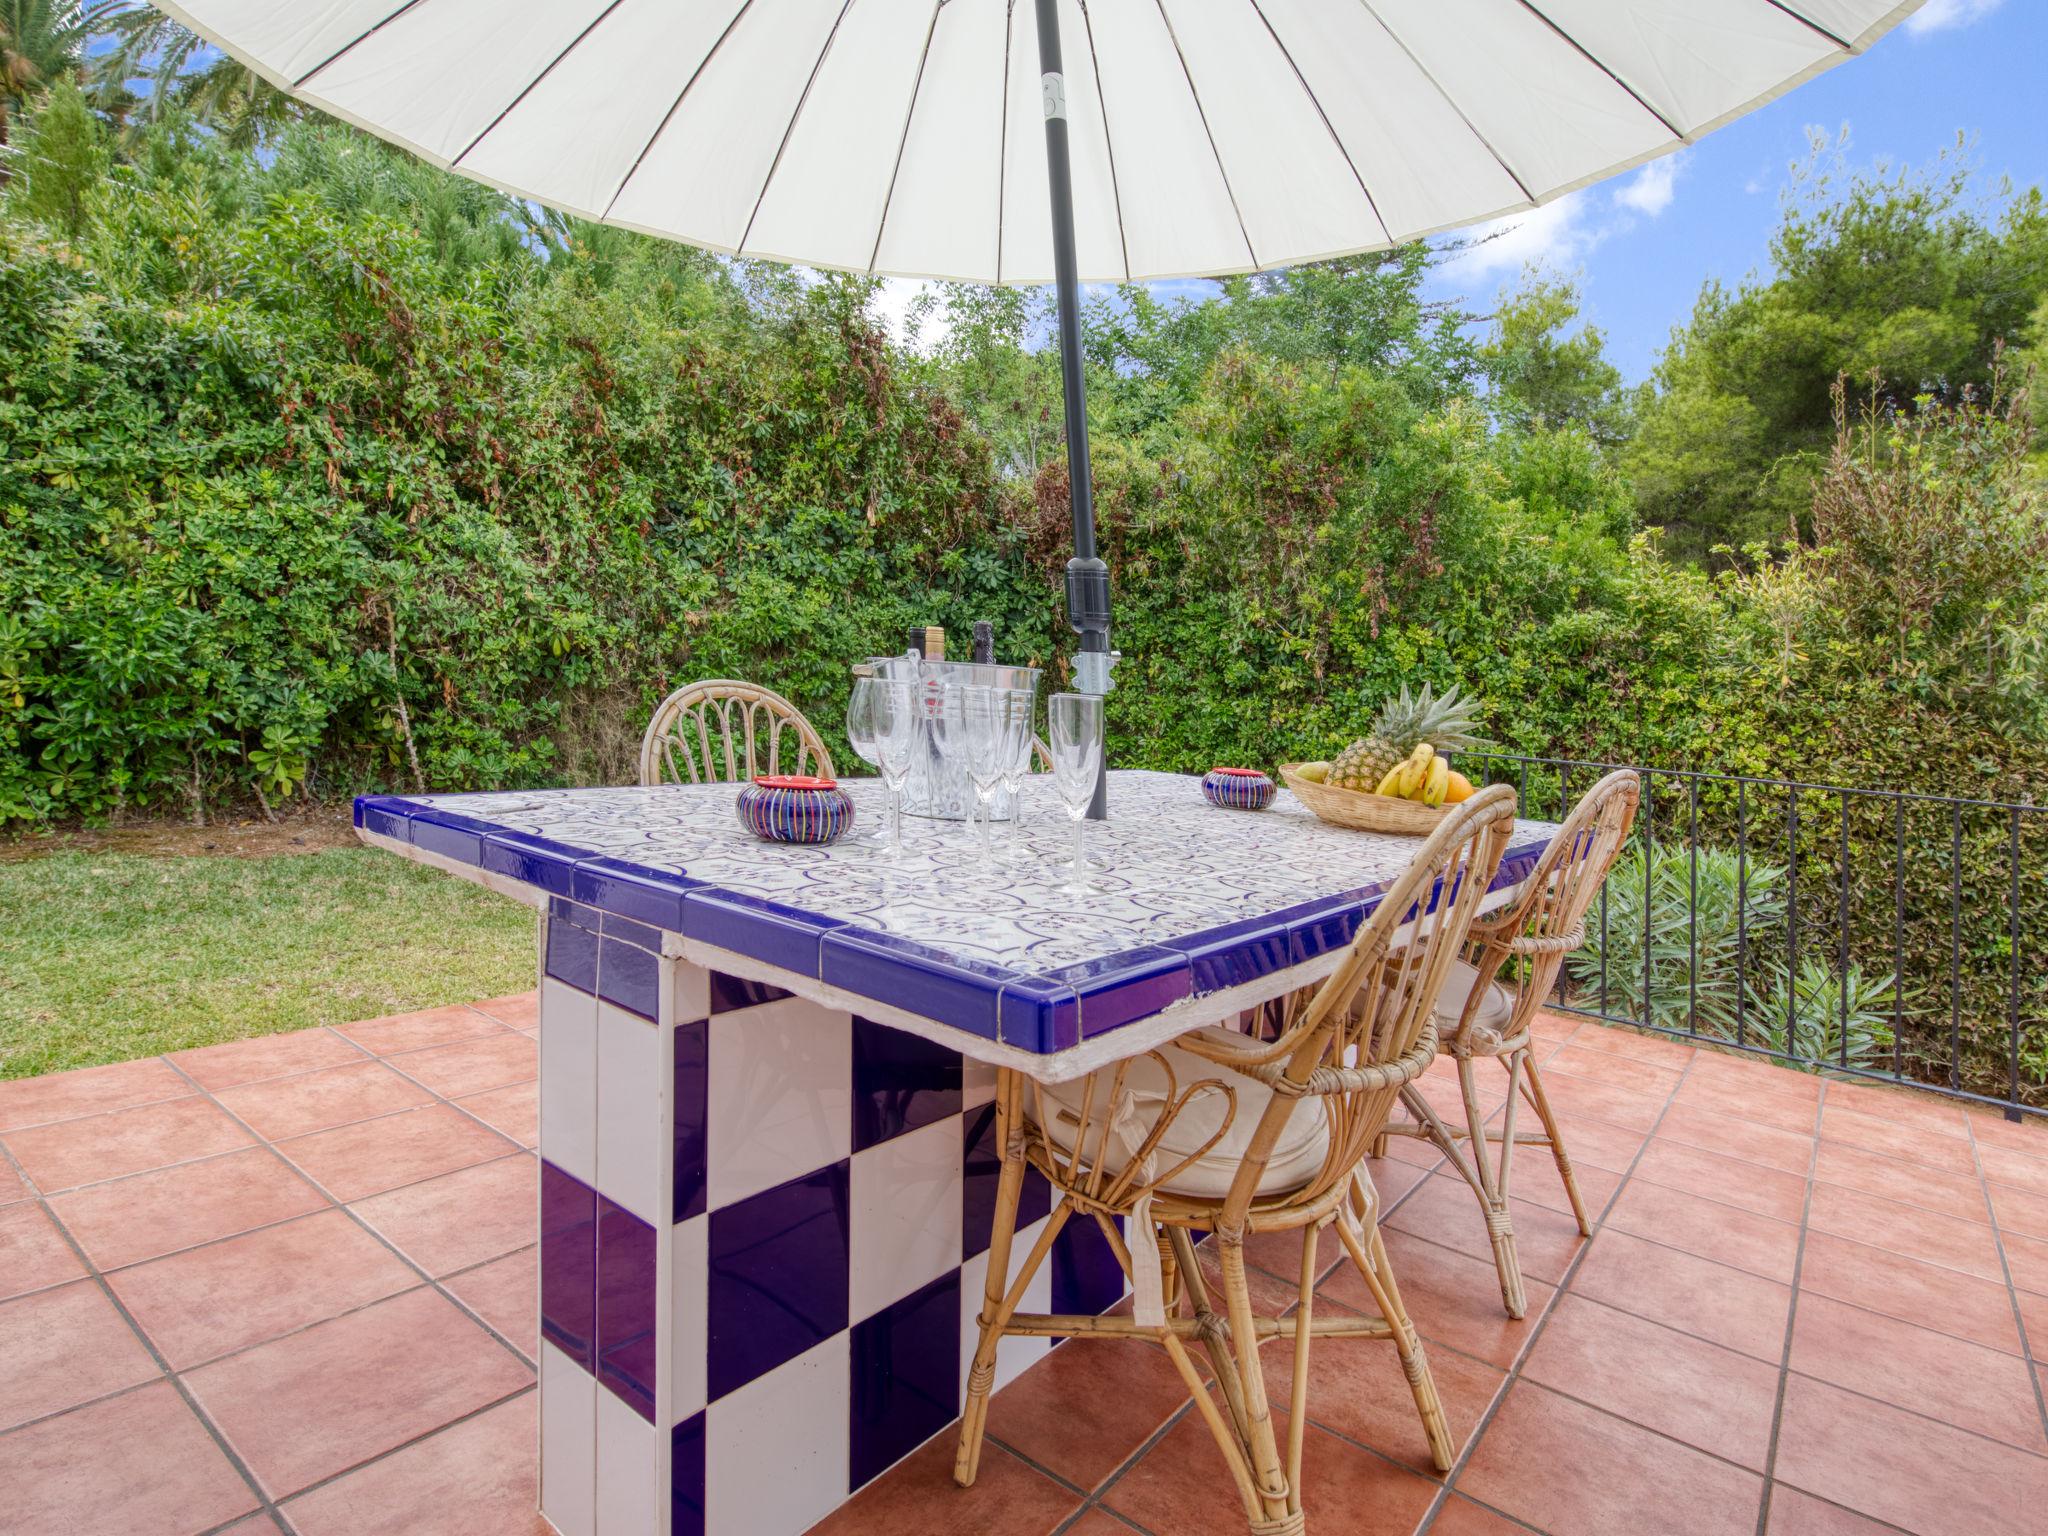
{"type": "Point", "coordinates": [1238, 789]}
{"type": "Point", "coordinates": [791, 808]}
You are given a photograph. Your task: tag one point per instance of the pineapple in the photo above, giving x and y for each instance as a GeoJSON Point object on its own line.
{"type": "Point", "coordinates": [1446, 723]}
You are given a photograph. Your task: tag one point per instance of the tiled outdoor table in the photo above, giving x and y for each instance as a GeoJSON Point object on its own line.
{"type": "Point", "coordinates": [767, 1082]}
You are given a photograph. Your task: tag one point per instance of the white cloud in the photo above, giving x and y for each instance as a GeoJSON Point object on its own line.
{"type": "Point", "coordinates": [1942, 15]}
{"type": "Point", "coordinates": [892, 307]}
{"type": "Point", "coordinates": [1556, 235]}
{"type": "Point", "coordinates": [1650, 190]}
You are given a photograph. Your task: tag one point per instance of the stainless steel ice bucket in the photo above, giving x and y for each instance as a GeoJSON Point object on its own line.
{"type": "Point", "coordinates": [939, 789]}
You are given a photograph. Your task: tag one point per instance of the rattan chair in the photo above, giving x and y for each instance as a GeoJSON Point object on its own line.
{"type": "Point", "coordinates": [717, 730]}
{"type": "Point", "coordinates": [1479, 1016]}
{"type": "Point", "coordinates": [1232, 1134]}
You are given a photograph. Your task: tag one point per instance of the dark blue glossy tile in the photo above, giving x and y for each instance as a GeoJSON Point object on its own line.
{"type": "Point", "coordinates": [1232, 955]}
{"type": "Point", "coordinates": [562, 910]}
{"type": "Point", "coordinates": [1036, 1015]}
{"type": "Point", "coordinates": [781, 936]}
{"type": "Point", "coordinates": [630, 977]}
{"type": "Point", "coordinates": [386, 815]}
{"type": "Point", "coordinates": [1320, 927]}
{"type": "Point", "coordinates": [1133, 985]}
{"type": "Point", "coordinates": [626, 1307]}
{"type": "Point", "coordinates": [572, 954]}
{"type": "Point", "coordinates": [778, 1276]}
{"type": "Point", "coordinates": [981, 1168]}
{"type": "Point", "coordinates": [686, 1477]}
{"type": "Point", "coordinates": [729, 992]}
{"type": "Point", "coordinates": [1086, 1277]}
{"type": "Point", "coordinates": [613, 926]}
{"type": "Point", "coordinates": [451, 836]}
{"type": "Point", "coordinates": [632, 890]}
{"type": "Point", "coordinates": [568, 1265]}
{"type": "Point", "coordinates": [900, 1082]}
{"type": "Point", "coordinates": [906, 1377]}
{"type": "Point", "coordinates": [536, 861]}
{"type": "Point", "coordinates": [693, 1079]}
{"type": "Point", "coordinates": [916, 977]}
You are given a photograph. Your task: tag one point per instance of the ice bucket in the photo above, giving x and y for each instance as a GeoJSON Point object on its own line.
{"type": "Point", "coordinates": [939, 789]}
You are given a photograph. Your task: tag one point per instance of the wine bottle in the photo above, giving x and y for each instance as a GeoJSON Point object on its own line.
{"type": "Point", "coordinates": [984, 643]}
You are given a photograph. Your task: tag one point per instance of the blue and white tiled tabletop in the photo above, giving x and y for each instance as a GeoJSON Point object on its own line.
{"type": "Point", "coordinates": [1188, 899]}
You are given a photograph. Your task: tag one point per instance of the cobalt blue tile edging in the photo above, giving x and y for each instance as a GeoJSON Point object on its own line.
{"type": "Point", "coordinates": [1041, 1013]}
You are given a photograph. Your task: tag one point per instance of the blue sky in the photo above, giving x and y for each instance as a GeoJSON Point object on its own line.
{"type": "Point", "coordinates": [1643, 244]}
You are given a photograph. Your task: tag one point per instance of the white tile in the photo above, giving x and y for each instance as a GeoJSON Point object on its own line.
{"type": "Point", "coordinates": [568, 1079]}
{"type": "Point", "coordinates": [634, 1140]}
{"type": "Point", "coordinates": [905, 1214]}
{"type": "Point", "coordinates": [628, 1471]}
{"type": "Point", "coordinates": [568, 1443]}
{"type": "Point", "coordinates": [780, 1096]}
{"type": "Point", "coordinates": [776, 1450]}
{"type": "Point", "coordinates": [977, 1083]}
{"type": "Point", "coordinates": [685, 992]}
{"type": "Point", "coordinates": [1013, 1356]}
{"type": "Point", "coordinates": [689, 1334]}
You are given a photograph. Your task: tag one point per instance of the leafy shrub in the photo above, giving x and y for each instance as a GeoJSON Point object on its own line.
{"type": "Point", "coordinates": [1817, 1019]}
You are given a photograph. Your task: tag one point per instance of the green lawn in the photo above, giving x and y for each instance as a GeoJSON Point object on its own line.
{"type": "Point", "coordinates": [106, 956]}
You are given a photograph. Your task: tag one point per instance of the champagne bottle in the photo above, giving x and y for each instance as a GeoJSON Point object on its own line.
{"type": "Point", "coordinates": [984, 643]}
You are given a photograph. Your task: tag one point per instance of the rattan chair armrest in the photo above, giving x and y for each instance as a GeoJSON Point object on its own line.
{"type": "Point", "coordinates": [1403, 1070]}
{"type": "Point", "coordinates": [1550, 944]}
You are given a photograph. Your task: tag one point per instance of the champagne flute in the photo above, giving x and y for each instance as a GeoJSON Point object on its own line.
{"type": "Point", "coordinates": [1018, 706]}
{"type": "Point", "coordinates": [894, 710]}
{"type": "Point", "coordinates": [983, 716]}
{"type": "Point", "coordinates": [860, 733]}
{"type": "Point", "coordinates": [1074, 721]}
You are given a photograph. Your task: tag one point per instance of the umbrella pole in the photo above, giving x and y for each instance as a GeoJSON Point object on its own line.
{"type": "Point", "coordinates": [1087, 575]}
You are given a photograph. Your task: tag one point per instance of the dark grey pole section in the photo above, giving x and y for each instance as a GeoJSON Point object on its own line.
{"type": "Point", "coordinates": [1087, 576]}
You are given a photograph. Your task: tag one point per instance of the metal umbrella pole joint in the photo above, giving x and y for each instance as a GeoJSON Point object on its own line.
{"type": "Point", "coordinates": [1087, 575]}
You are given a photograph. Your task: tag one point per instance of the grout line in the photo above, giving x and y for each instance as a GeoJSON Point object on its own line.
{"type": "Point", "coordinates": [406, 1445]}
{"type": "Point", "coordinates": [1763, 1514]}
{"type": "Point", "coordinates": [2019, 1316]}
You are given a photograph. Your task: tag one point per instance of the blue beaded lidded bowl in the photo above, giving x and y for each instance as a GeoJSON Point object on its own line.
{"type": "Point", "coordinates": [1238, 789]}
{"type": "Point", "coordinates": [793, 808]}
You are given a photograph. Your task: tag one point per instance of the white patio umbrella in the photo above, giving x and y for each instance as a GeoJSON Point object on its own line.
{"type": "Point", "coordinates": [1181, 137]}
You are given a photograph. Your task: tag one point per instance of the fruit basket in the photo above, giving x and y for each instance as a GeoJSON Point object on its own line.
{"type": "Point", "coordinates": [1363, 812]}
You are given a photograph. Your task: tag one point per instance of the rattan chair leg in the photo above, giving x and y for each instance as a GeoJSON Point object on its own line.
{"type": "Point", "coordinates": [1378, 1273]}
{"type": "Point", "coordinates": [994, 1310]}
{"type": "Point", "coordinates": [1262, 1451]}
{"type": "Point", "coordinates": [1532, 1084]}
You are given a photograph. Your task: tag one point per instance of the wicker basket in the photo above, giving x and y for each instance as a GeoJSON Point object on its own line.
{"type": "Point", "coordinates": [1362, 812]}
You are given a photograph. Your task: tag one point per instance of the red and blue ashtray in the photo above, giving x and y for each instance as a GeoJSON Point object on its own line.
{"type": "Point", "coordinates": [1238, 789]}
{"type": "Point", "coordinates": [795, 808]}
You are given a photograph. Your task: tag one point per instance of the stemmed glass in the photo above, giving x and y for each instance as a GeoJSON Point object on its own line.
{"type": "Point", "coordinates": [860, 733]}
{"type": "Point", "coordinates": [1074, 722]}
{"type": "Point", "coordinates": [1017, 706]}
{"type": "Point", "coordinates": [893, 713]}
{"type": "Point", "coordinates": [985, 720]}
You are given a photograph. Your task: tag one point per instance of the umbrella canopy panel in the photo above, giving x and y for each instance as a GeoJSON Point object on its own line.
{"type": "Point", "coordinates": [905, 136]}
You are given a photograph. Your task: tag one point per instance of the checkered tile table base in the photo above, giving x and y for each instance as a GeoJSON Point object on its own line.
{"type": "Point", "coordinates": [822, 1186]}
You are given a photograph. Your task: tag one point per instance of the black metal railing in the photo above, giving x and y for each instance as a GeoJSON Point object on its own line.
{"type": "Point", "coordinates": [1888, 935]}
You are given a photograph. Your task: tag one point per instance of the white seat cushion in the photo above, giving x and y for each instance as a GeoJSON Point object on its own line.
{"type": "Point", "coordinates": [1297, 1155]}
{"type": "Point", "coordinates": [1496, 1008]}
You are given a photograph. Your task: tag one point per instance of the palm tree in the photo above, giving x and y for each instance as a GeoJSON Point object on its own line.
{"type": "Point", "coordinates": [183, 70]}
{"type": "Point", "coordinates": [39, 41]}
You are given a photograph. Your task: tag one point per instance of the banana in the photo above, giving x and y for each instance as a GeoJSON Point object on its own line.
{"type": "Point", "coordinates": [1438, 783]}
{"type": "Point", "coordinates": [1390, 785]}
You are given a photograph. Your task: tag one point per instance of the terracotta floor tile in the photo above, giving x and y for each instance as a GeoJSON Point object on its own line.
{"type": "Point", "coordinates": [1410, 1150]}
{"type": "Point", "coordinates": [1754, 1074]}
{"type": "Point", "coordinates": [505, 1294]}
{"type": "Point", "coordinates": [1925, 1235]}
{"type": "Point", "coordinates": [476, 1478]}
{"type": "Point", "coordinates": [1967, 1385]}
{"type": "Point", "coordinates": [1461, 1517]}
{"type": "Point", "coordinates": [312, 1404]}
{"type": "Point", "coordinates": [63, 1347]}
{"type": "Point", "coordinates": [1800, 1514]}
{"type": "Point", "coordinates": [513, 1111]}
{"type": "Point", "coordinates": [1744, 1140]}
{"type": "Point", "coordinates": [521, 1010]}
{"type": "Point", "coordinates": [140, 1462]}
{"type": "Point", "coordinates": [1279, 1253]}
{"type": "Point", "coordinates": [1658, 1050]}
{"type": "Point", "coordinates": [1574, 1099]}
{"type": "Point", "coordinates": [1454, 1300]}
{"type": "Point", "coordinates": [85, 1151]}
{"type": "Point", "coordinates": [2034, 1314]}
{"type": "Point", "coordinates": [2019, 1211]}
{"type": "Point", "coordinates": [1680, 1386]}
{"type": "Point", "coordinates": [1395, 1181]}
{"type": "Point", "coordinates": [1931, 1149]}
{"type": "Point", "coordinates": [1708, 1228]}
{"type": "Point", "coordinates": [1446, 1211]}
{"type": "Point", "coordinates": [1356, 1388]}
{"type": "Point", "coordinates": [1760, 1101]}
{"type": "Point", "coordinates": [1082, 1411]}
{"type": "Point", "coordinates": [919, 1498]}
{"type": "Point", "coordinates": [214, 1067]}
{"type": "Point", "coordinates": [355, 1161]}
{"type": "Point", "coordinates": [1560, 1027]}
{"type": "Point", "coordinates": [1875, 1173]}
{"type": "Point", "coordinates": [205, 1302]}
{"type": "Point", "coordinates": [471, 1066]}
{"type": "Point", "coordinates": [1902, 1107]}
{"type": "Point", "coordinates": [1766, 1191]}
{"type": "Point", "coordinates": [1595, 1143]}
{"type": "Point", "coordinates": [1896, 1466]}
{"type": "Point", "coordinates": [1271, 1295]}
{"type": "Point", "coordinates": [1564, 1467]}
{"type": "Point", "coordinates": [2017, 1170]}
{"type": "Point", "coordinates": [1181, 1487]}
{"type": "Point", "coordinates": [1991, 1128]}
{"type": "Point", "coordinates": [319, 1101]}
{"type": "Point", "coordinates": [1729, 1307]}
{"type": "Point", "coordinates": [150, 1214]}
{"type": "Point", "coordinates": [1099, 1522]}
{"type": "Point", "coordinates": [1924, 1294]}
{"type": "Point", "coordinates": [33, 1253]}
{"type": "Point", "coordinates": [460, 1219]}
{"type": "Point", "coordinates": [11, 1186]}
{"type": "Point", "coordinates": [1630, 1072]}
{"type": "Point", "coordinates": [416, 1031]}
{"type": "Point", "coordinates": [2028, 1260]}
{"type": "Point", "coordinates": [27, 1101]}
{"type": "Point", "coordinates": [1534, 1177]}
